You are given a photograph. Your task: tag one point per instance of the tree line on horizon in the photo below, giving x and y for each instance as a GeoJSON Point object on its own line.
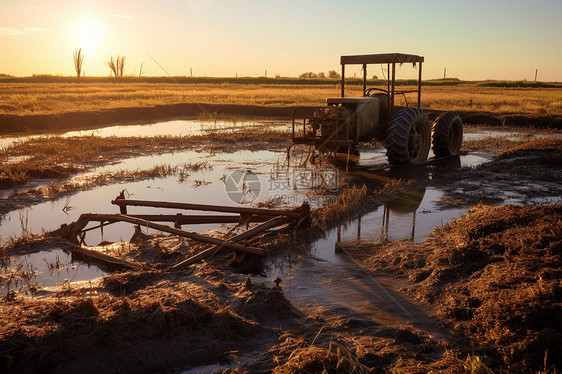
{"type": "Point", "coordinates": [117, 68]}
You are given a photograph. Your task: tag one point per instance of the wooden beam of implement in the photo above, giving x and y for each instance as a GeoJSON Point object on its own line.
{"type": "Point", "coordinates": [98, 257]}
{"type": "Point", "coordinates": [123, 203]}
{"type": "Point", "coordinates": [274, 222]}
{"type": "Point", "coordinates": [193, 219]}
{"type": "Point", "coordinates": [187, 234]}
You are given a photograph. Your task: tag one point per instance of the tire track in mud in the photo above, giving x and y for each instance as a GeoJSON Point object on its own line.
{"type": "Point", "coordinates": [345, 290]}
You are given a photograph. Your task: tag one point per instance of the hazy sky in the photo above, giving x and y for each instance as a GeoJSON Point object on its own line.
{"type": "Point", "coordinates": [477, 39]}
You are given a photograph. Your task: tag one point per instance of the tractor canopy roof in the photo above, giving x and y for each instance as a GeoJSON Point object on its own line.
{"type": "Point", "coordinates": [381, 58]}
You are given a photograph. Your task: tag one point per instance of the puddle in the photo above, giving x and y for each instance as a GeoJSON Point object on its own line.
{"type": "Point", "coordinates": [330, 285]}
{"type": "Point", "coordinates": [164, 128]}
{"type": "Point", "coordinates": [473, 134]}
{"type": "Point", "coordinates": [48, 267]}
{"type": "Point", "coordinates": [411, 216]}
{"type": "Point", "coordinates": [203, 186]}
{"type": "Point", "coordinates": [376, 159]}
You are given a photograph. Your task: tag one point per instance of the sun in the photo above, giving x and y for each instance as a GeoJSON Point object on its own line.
{"type": "Point", "coordinates": [88, 34]}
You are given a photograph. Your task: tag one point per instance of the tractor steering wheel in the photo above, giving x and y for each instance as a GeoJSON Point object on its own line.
{"type": "Point", "coordinates": [368, 91]}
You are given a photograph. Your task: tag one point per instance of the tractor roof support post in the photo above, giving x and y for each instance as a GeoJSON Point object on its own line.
{"type": "Point", "coordinates": [419, 85]}
{"type": "Point", "coordinates": [364, 79]}
{"type": "Point", "coordinates": [342, 79]}
{"type": "Point", "coordinates": [391, 93]}
{"type": "Point", "coordinates": [388, 90]}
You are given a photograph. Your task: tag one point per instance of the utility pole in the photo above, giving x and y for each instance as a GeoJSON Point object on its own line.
{"type": "Point", "coordinates": [445, 73]}
{"type": "Point", "coordinates": [536, 72]}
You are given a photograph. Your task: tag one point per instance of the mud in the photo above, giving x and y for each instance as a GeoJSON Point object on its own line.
{"type": "Point", "coordinates": [527, 173]}
{"type": "Point", "coordinates": [495, 275]}
{"type": "Point", "coordinates": [393, 305]}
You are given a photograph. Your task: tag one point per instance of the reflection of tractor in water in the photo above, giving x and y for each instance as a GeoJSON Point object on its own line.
{"type": "Point", "coordinates": [406, 203]}
{"type": "Point", "coordinates": [346, 121]}
{"type": "Point", "coordinates": [403, 204]}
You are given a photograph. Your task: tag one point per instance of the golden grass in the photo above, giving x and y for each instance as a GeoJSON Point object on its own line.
{"type": "Point", "coordinates": [56, 98]}
{"type": "Point", "coordinates": [349, 202]}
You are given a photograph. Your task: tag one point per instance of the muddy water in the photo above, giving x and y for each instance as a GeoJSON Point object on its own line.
{"type": "Point", "coordinates": [164, 128]}
{"type": "Point", "coordinates": [50, 267]}
{"type": "Point", "coordinates": [332, 285]}
{"type": "Point", "coordinates": [376, 158]}
{"type": "Point", "coordinates": [205, 186]}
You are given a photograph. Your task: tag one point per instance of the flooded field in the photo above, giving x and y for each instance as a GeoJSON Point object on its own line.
{"type": "Point", "coordinates": [207, 185]}
{"type": "Point", "coordinates": [320, 276]}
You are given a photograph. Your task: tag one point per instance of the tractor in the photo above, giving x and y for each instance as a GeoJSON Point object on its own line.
{"type": "Point", "coordinates": [345, 122]}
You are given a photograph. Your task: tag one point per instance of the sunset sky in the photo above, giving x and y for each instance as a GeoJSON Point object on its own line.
{"type": "Point", "coordinates": [474, 40]}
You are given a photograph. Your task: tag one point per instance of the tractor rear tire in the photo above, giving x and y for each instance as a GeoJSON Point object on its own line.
{"type": "Point", "coordinates": [408, 137]}
{"type": "Point", "coordinates": [446, 135]}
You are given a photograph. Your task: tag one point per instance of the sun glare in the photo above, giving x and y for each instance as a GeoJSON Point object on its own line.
{"type": "Point", "coordinates": [89, 34]}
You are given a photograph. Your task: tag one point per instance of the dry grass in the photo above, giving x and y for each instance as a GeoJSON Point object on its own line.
{"type": "Point", "coordinates": [55, 98]}
{"type": "Point", "coordinates": [350, 202]}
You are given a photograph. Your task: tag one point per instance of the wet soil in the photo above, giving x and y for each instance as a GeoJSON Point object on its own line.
{"type": "Point", "coordinates": [377, 307]}
{"type": "Point", "coordinates": [494, 275]}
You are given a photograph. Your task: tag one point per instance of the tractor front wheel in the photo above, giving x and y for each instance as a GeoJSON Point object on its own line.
{"type": "Point", "coordinates": [408, 137]}
{"type": "Point", "coordinates": [446, 135]}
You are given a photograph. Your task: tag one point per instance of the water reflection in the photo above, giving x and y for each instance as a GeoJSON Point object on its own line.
{"type": "Point", "coordinates": [48, 267]}
{"type": "Point", "coordinates": [184, 127]}
{"type": "Point", "coordinates": [405, 205]}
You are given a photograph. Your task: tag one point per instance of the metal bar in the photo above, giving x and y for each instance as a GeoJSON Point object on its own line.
{"type": "Point", "coordinates": [364, 79]}
{"type": "Point", "coordinates": [419, 85]}
{"type": "Point", "coordinates": [342, 80]}
{"type": "Point", "coordinates": [389, 114]}
{"type": "Point", "coordinates": [413, 227]}
{"type": "Point", "coordinates": [391, 92]}
{"type": "Point", "coordinates": [97, 227]}
{"type": "Point", "coordinates": [380, 59]}
{"type": "Point", "coordinates": [204, 207]}
{"type": "Point", "coordinates": [179, 232]}
{"type": "Point", "coordinates": [274, 222]}
{"type": "Point", "coordinates": [294, 125]}
{"type": "Point", "coordinates": [197, 218]}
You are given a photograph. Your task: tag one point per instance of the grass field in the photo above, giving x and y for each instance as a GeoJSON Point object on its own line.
{"type": "Point", "coordinates": [53, 96]}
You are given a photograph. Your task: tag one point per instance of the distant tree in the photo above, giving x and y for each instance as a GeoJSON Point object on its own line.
{"type": "Point", "coordinates": [321, 75]}
{"type": "Point", "coordinates": [333, 74]}
{"type": "Point", "coordinates": [117, 66]}
{"type": "Point", "coordinates": [78, 58]}
{"type": "Point", "coordinates": [308, 75]}
{"type": "Point", "coordinates": [140, 71]}
{"type": "Point", "coordinates": [375, 77]}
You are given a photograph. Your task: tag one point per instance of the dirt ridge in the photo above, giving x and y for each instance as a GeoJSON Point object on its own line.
{"type": "Point", "coordinates": [76, 120]}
